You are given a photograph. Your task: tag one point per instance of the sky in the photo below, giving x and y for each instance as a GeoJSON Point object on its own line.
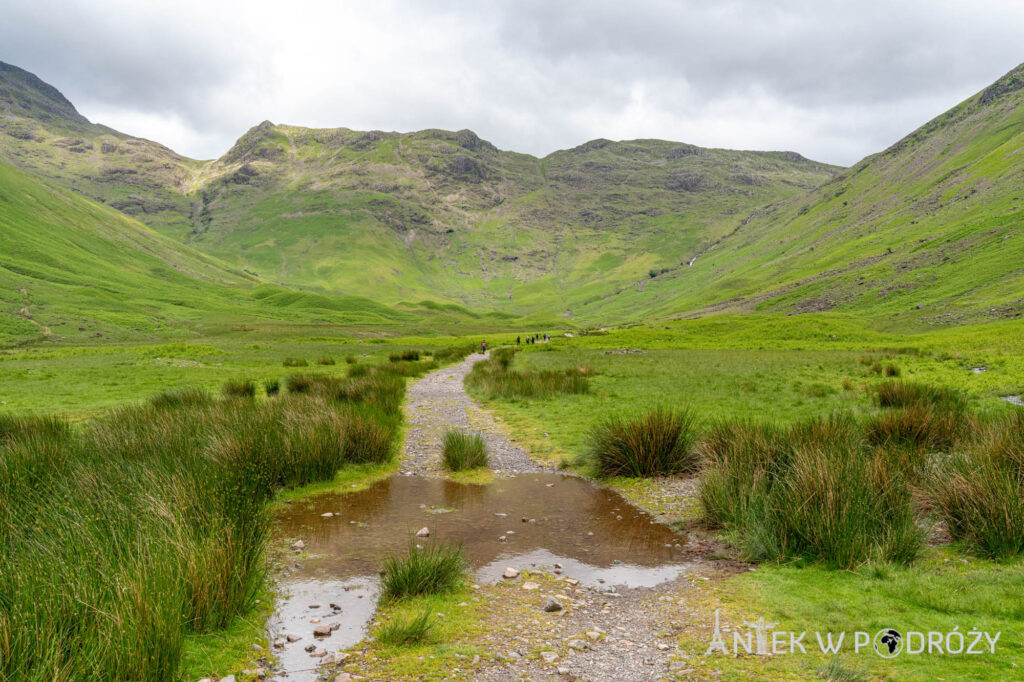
{"type": "Point", "coordinates": [835, 81]}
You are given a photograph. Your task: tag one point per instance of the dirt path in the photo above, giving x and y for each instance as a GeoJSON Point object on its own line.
{"type": "Point", "coordinates": [438, 402]}
{"type": "Point", "coordinates": [600, 634]}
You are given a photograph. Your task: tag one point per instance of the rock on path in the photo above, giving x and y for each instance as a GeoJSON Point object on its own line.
{"type": "Point", "coordinates": [438, 402]}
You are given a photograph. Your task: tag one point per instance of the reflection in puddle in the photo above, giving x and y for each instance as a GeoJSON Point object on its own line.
{"type": "Point", "coordinates": [533, 521]}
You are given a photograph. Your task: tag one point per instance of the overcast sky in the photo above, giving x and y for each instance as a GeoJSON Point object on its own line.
{"type": "Point", "coordinates": [834, 81]}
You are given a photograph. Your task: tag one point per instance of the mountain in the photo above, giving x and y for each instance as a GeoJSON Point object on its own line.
{"type": "Point", "coordinates": [71, 268]}
{"type": "Point", "coordinates": [929, 231]}
{"type": "Point", "coordinates": [435, 215]}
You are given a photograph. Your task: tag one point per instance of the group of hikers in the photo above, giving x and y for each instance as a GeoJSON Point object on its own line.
{"type": "Point", "coordinates": [532, 338]}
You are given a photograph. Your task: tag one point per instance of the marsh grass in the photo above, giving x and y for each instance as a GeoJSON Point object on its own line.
{"type": "Point", "coordinates": [892, 394]}
{"type": "Point", "coordinates": [325, 360]}
{"type": "Point", "coordinates": [436, 569]}
{"type": "Point", "coordinates": [405, 356]}
{"type": "Point", "coordinates": [462, 451]}
{"type": "Point", "coordinates": [272, 387]}
{"type": "Point", "coordinates": [403, 632]}
{"type": "Point", "coordinates": [294, 362]}
{"type": "Point", "coordinates": [494, 379]}
{"type": "Point", "coordinates": [151, 523]}
{"type": "Point", "coordinates": [816, 491]}
{"type": "Point", "coordinates": [979, 492]}
{"type": "Point", "coordinates": [658, 443]}
{"type": "Point", "coordinates": [239, 389]}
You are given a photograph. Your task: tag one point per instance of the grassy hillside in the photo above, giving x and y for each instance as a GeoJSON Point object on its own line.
{"type": "Point", "coordinates": [435, 215]}
{"type": "Point", "coordinates": [927, 232]}
{"type": "Point", "coordinates": [71, 269]}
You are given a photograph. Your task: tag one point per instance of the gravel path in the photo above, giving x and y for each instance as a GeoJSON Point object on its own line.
{"type": "Point", "coordinates": [438, 402]}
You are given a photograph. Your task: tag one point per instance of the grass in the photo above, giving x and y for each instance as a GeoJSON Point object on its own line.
{"type": "Point", "coordinates": [150, 524]}
{"type": "Point", "coordinates": [462, 451]}
{"type": "Point", "coordinates": [436, 569]}
{"type": "Point", "coordinates": [660, 442]}
{"type": "Point", "coordinates": [814, 491]}
{"type": "Point", "coordinates": [979, 491]}
{"type": "Point", "coordinates": [294, 362]}
{"type": "Point", "coordinates": [239, 389]}
{"type": "Point", "coordinates": [493, 378]}
{"type": "Point", "coordinates": [402, 632]}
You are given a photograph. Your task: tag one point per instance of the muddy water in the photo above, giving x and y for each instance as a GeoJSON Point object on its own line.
{"type": "Point", "coordinates": [530, 521]}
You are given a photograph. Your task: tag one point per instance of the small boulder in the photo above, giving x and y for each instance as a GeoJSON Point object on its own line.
{"type": "Point", "coordinates": [552, 606]}
{"type": "Point", "coordinates": [293, 638]}
{"type": "Point", "coordinates": [327, 515]}
{"type": "Point", "coordinates": [423, 532]}
{"type": "Point", "coordinates": [531, 586]}
{"type": "Point", "coordinates": [278, 643]}
{"type": "Point", "coordinates": [319, 653]}
{"type": "Point", "coordinates": [549, 656]}
{"type": "Point", "coordinates": [298, 545]}
{"type": "Point", "coordinates": [322, 631]}
{"type": "Point", "coordinates": [510, 573]}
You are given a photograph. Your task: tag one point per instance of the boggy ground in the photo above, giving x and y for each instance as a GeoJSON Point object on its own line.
{"type": "Point", "coordinates": [600, 633]}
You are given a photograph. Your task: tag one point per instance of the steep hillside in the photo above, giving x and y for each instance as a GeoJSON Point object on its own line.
{"type": "Point", "coordinates": [73, 269]}
{"type": "Point", "coordinates": [41, 131]}
{"type": "Point", "coordinates": [435, 215]}
{"type": "Point", "coordinates": [448, 216]}
{"type": "Point", "coordinates": [930, 231]}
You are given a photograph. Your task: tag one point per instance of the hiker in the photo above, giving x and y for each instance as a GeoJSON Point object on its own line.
{"type": "Point", "coordinates": [517, 340]}
{"type": "Point", "coordinates": [483, 348]}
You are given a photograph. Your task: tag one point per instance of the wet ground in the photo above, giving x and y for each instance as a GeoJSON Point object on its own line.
{"type": "Point", "coordinates": [531, 521]}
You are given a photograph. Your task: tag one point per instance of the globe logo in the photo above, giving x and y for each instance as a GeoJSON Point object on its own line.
{"type": "Point", "coordinates": [888, 643]}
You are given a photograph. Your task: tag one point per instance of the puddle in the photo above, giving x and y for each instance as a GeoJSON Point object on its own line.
{"type": "Point", "coordinates": [594, 534]}
{"type": "Point", "coordinates": [1013, 399]}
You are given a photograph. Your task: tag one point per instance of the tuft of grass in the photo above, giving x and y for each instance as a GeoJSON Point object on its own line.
{"type": "Point", "coordinates": [401, 632]}
{"type": "Point", "coordinates": [18, 428]}
{"type": "Point", "coordinates": [272, 387]}
{"type": "Point", "coordinates": [294, 362]}
{"type": "Point", "coordinates": [405, 356]}
{"type": "Point", "coordinates": [351, 359]}
{"type": "Point", "coordinates": [299, 383]}
{"type": "Point", "coordinates": [189, 397]}
{"type": "Point", "coordinates": [907, 394]}
{"type": "Point", "coordinates": [494, 379]}
{"type": "Point", "coordinates": [325, 360]}
{"type": "Point", "coordinates": [892, 370]}
{"type": "Point", "coordinates": [837, 671]}
{"type": "Point", "coordinates": [816, 491]}
{"type": "Point", "coordinates": [245, 388]}
{"type": "Point", "coordinates": [436, 569]}
{"type": "Point", "coordinates": [979, 492]}
{"type": "Point", "coordinates": [660, 442]}
{"type": "Point", "coordinates": [462, 451]}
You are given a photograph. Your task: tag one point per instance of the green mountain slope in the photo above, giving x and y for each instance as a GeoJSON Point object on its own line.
{"type": "Point", "coordinates": [73, 269]}
{"type": "Point", "coordinates": [436, 215]}
{"type": "Point", "coordinates": [930, 231]}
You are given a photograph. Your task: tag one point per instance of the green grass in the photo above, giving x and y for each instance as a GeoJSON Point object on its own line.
{"type": "Point", "coordinates": [658, 443]}
{"type": "Point", "coordinates": [401, 632]}
{"type": "Point", "coordinates": [462, 451]}
{"type": "Point", "coordinates": [150, 525]}
{"type": "Point", "coordinates": [435, 569]}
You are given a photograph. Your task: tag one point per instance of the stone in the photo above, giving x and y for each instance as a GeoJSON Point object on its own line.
{"type": "Point", "coordinates": [336, 607]}
{"type": "Point", "coordinates": [229, 678]}
{"type": "Point", "coordinates": [578, 644]}
{"type": "Point", "coordinates": [310, 648]}
{"type": "Point", "coordinates": [278, 643]}
{"type": "Point", "coordinates": [334, 659]}
{"type": "Point", "coordinates": [531, 586]}
{"type": "Point", "coordinates": [502, 539]}
{"type": "Point", "coordinates": [314, 621]}
{"type": "Point", "coordinates": [423, 532]}
{"type": "Point", "coordinates": [562, 670]}
{"type": "Point", "coordinates": [293, 638]}
{"type": "Point", "coordinates": [327, 515]}
{"type": "Point", "coordinates": [662, 646]}
{"type": "Point", "coordinates": [572, 581]}
{"type": "Point", "coordinates": [593, 636]}
{"type": "Point", "coordinates": [558, 565]}
{"type": "Point", "coordinates": [314, 606]}
{"type": "Point", "coordinates": [335, 626]}
{"type": "Point", "coordinates": [510, 573]}
{"type": "Point", "coordinates": [298, 545]}
{"type": "Point", "coordinates": [322, 631]}
{"type": "Point", "coordinates": [549, 656]}
{"type": "Point", "coordinates": [319, 653]}
{"type": "Point", "coordinates": [552, 606]}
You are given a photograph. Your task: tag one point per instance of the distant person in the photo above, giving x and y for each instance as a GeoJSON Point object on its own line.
{"type": "Point", "coordinates": [517, 340]}
{"type": "Point", "coordinates": [483, 347]}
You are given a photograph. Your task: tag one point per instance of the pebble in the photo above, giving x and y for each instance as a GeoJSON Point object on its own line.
{"type": "Point", "coordinates": [549, 656]}
{"type": "Point", "coordinates": [572, 581]}
{"type": "Point", "coordinates": [531, 586]}
{"type": "Point", "coordinates": [319, 653]}
{"type": "Point", "coordinates": [578, 644]}
{"type": "Point", "coordinates": [423, 532]}
{"type": "Point", "coordinates": [552, 606]}
{"type": "Point", "coordinates": [278, 643]}
{"type": "Point", "coordinates": [298, 545]}
{"type": "Point", "coordinates": [334, 659]}
{"type": "Point", "coordinates": [322, 631]}
{"type": "Point", "coordinates": [327, 515]}
{"type": "Point", "coordinates": [293, 638]}
{"type": "Point", "coordinates": [510, 573]}
{"type": "Point", "coordinates": [662, 646]}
